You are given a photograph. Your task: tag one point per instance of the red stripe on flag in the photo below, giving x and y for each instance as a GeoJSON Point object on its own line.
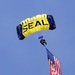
{"type": "Point", "coordinates": [55, 68]}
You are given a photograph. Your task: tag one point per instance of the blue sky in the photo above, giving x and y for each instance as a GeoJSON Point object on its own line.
{"type": "Point", "coordinates": [28, 57]}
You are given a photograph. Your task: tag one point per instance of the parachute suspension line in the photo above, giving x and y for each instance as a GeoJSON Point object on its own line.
{"type": "Point", "coordinates": [38, 34]}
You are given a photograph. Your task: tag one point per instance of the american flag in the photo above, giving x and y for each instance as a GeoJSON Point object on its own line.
{"type": "Point", "coordinates": [55, 66]}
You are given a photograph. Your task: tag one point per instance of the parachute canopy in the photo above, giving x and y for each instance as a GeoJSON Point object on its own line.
{"type": "Point", "coordinates": [35, 24]}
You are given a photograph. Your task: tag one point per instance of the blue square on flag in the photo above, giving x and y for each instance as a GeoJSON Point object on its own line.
{"type": "Point", "coordinates": [50, 55]}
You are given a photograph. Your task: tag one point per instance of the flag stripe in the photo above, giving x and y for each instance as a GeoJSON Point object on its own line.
{"type": "Point", "coordinates": [55, 66]}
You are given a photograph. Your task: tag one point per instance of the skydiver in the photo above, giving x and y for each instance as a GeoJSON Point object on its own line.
{"type": "Point", "coordinates": [43, 42]}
